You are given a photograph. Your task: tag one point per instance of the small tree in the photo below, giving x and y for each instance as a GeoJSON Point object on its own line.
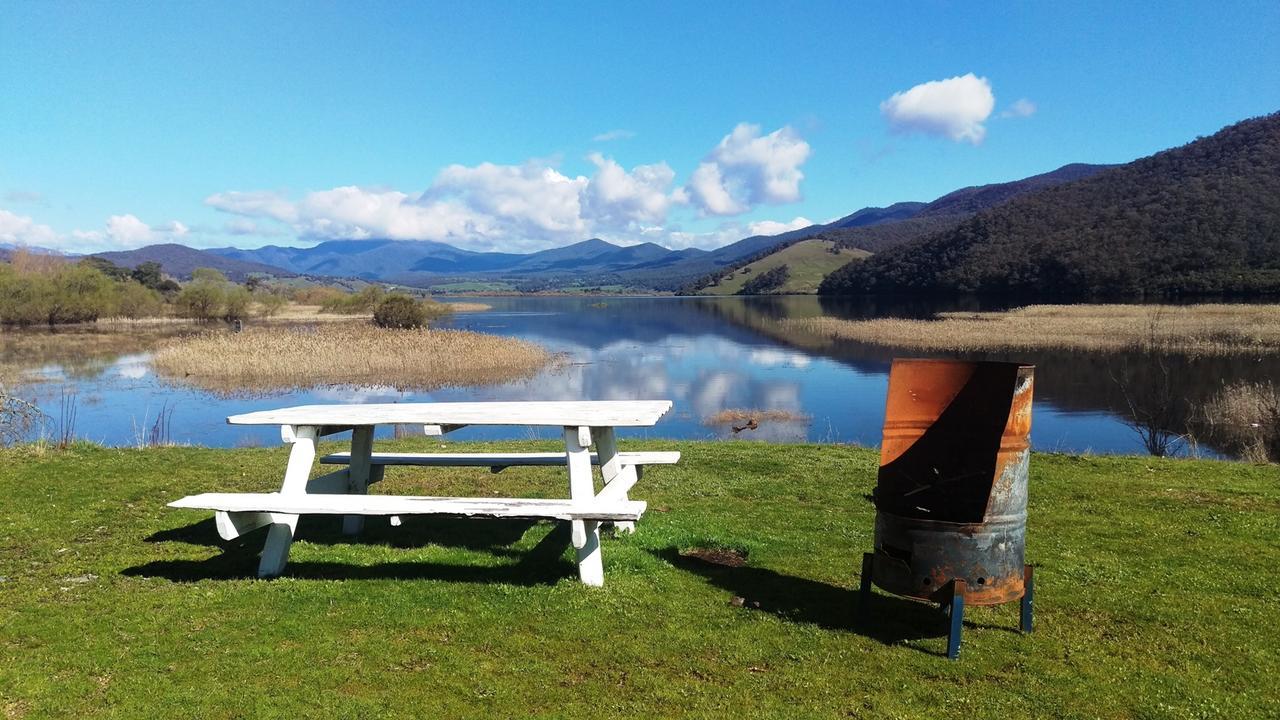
{"type": "Point", "coordinates": [399, 311]}
{"type": "Point", "coordinates": [766, 282]}
{"type": "Point", "coordinates": [148, 275]}
{"type": "Point", "coordinates": [133, 300]}
{"type": "Point", "coordinates": [200, 300]}
{"type": "Point", "coordinates": [235, 303]}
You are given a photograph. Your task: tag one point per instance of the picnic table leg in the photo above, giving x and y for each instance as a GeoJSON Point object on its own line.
{"type": "Point", "coordinates": [612, 470]}
{"type": "Point", "coordinates": [358, 481]}
{"type": "Point", "coordinates": [275, 553]}
{"type": "Point", "coordinates": [586, 533]}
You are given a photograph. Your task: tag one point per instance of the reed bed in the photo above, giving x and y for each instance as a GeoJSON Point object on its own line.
{"type": "Point", "coordinates": [469, 306]}
{"type": "Point", "coordinates": [285, 358]}
{"type": "Point", "coordinates": [1217, 329]}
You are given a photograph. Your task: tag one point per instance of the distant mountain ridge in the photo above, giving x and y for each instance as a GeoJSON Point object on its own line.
{"type": "Point", "coordinates": [180, 260]}
{"type": "Point", "coordinates": [1200, 218]}
{"type": "Point", "coordinates": [873, 230]}
{"type": "Point", "coordinates": [424, 262]}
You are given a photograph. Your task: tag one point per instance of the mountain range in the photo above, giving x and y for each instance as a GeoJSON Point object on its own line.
{"type": "Point", "coordinates": [1202, 217]}
{"type": "Point", "coordinates": [419, 262]}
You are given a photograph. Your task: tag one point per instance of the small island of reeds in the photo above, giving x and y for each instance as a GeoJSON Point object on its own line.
{"type": "Point", "coordinates": [298, 357]}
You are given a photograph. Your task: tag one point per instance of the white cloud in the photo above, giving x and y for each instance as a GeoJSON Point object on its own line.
{"type": "Point", "coordinates": [747, 169]}
{"type": "Point", "coordinates": [534, 205]}
{"type": "Point", "coordinates": [955, 108]}
{"type": "Point", "coordinates": [487, 206]}
{"type": "Point", "coordinates": [21, 230]}
{"type": "Point", "coordinates": [618, 134]}
{"type": "Point", "coordinates": [121, 232]}
{"type": "Point", "coordinates": [128, 231]}
{"type": "Point", "coordinates": [616, 198]}
{"type": "Point", "coordinates": [532, 200]}
{"type": "Point", "coordinates": [1020, 108]}
{"type": "Point", "coordinates": [263, 203]}
{"type": "Point", "coordinates": [726, 233]}
{"type": "Point", "coordinates": [773, 227]}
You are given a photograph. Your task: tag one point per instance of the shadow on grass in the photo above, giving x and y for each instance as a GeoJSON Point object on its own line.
{"type": "Point", "coordinates": [456, 532]}
{"type": "Point", "coordinates": [543, 564]}
{"type": "Point", "coordinates": [889, 620]}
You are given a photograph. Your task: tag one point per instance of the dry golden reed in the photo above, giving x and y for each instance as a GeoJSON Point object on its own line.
{"type": "Point", "coordinates": [283, 358]}
{"type": "Point", "coordinates": [1203, 329]}
{"type": "Point", "coordinates": [736, 416]}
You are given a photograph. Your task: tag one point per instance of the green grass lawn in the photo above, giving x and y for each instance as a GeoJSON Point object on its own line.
{"type": "Point", "coordinates": [808, 260]}
{"type": "Point", "coordinates": [1156, 597]}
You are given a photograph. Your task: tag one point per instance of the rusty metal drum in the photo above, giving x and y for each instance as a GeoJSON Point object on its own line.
{"type": "Point", "coordinates": [951, 495]}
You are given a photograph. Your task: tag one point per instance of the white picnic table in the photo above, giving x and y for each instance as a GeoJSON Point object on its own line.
{"type": "Point", "coordinates": [344, 491]}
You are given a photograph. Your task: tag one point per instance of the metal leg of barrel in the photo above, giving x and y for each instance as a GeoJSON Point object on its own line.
{"type": "Point", "coordinates": [956, 611]}
{"type": "Point", "coordinates": [864, 590]}
{"type": "Point", "coordinates": [1028, 599]}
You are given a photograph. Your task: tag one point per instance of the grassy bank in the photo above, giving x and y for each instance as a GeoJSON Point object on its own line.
{"type": "Point", "coordinates": [1210, 329]}
{"type": "Point", "coordinates": [332, 354]}
{"type": "Point", "coordinates": [808, 262]}
{"type": "Point", "coordinates": [1156, 598]}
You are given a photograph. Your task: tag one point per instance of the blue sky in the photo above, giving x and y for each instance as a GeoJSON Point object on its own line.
{"type": "Point", "coordinates": [519, 126]}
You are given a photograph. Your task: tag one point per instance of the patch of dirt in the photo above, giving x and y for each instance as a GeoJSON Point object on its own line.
{"type": "Point", "coordinates": [717, 556]}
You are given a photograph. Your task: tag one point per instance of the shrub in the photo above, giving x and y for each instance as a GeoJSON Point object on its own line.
{"type": "Point", "coordinates": [134, 301]}
{"type": "Point", "coordinates": [369, 297]}
{"type": "Point", "coordinates": [399, 311]}
{"type": "Point", "coordinates": [269, 304]}
{"type": "Point", "coordinates": [767, 281]}
{"type": "Point", "coordinates": [235, 303]}
{"type": "Point", "coordinates": [200, 300]}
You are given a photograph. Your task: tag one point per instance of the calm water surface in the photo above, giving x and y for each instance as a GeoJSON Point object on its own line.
{"type": "Point", "coordinates": [704, 354]}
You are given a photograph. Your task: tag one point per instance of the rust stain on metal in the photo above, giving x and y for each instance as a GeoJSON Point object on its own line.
{"type": "Point", "coordinates": [951, 498]}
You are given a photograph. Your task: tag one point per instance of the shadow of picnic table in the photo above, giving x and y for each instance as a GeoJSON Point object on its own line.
{"type": "Point", "coordinates": [543, 564]}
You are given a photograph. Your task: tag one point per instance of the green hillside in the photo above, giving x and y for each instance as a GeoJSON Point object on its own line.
{"type": "Point", "coordinates": [1201, 218]}
{"type": "Point", "coordinates": [808, 261]}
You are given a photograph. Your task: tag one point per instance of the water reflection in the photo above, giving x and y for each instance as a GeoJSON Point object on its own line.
{"type": "Point", "coordinates": [705, 354]}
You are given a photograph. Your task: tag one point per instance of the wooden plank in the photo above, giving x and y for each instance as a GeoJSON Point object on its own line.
{"type": "Point", "coordinates": [584, 533]}
{"type": "Point", "coordinates": [275, 551]}
{"type": "Point", "coordinates": [662, 457]}
{"type": "Point", "coordinates": [373, 505]}
{"type": "Point", "coordinates": [599, 413]}
{"type": "Point", "coordinates": [618, 478]}
{"type": "Point", "coordinates": [233, 525]}
{"type": "Point", "coordinates": [334, 482]}
{"type": "Point", "coordinates": [358, 481]}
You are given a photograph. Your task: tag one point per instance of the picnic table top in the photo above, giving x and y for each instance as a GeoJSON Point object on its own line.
{"type": "Point", "coordinates": [598, 413]}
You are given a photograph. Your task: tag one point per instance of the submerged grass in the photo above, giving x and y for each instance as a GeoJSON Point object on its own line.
{"type": "Point", "coordinates": [1217, 329]}
{"type": "Point", "coordinates": [1156, 588]}
{"type": "Point", "coordinates": [282, 358]}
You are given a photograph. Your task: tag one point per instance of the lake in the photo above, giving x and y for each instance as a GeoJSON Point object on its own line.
{"type": "Point", "coordinates": [705, 354]}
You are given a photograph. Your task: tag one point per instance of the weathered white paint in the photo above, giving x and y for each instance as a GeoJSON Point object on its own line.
{"type": "Point", "coordinates": [233, 525]}
{"type": "Point", "coordinates": [587, 413]}
{"type": "Point", "coordinates": [618, 477]}
{"type": "Point", "coordinates": [344, 492]}
{"type": "Point", "coordinates": [438, 430]}
{"type": "Point", "coordinates": [292, 505]}
{"type": "Point", "coordinates": [358, 483]}
{"type": "Point", "coordinates": [500, 459]}
{"type": "Point", "coordinates": [582, 491]}
{"type": "Point", "coordinates": [275, 552]}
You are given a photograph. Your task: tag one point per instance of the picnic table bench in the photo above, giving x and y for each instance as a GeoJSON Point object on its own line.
{"type": "Point", "coordinates": [344, 491]}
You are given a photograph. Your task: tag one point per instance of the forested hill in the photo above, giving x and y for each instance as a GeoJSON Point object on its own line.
{"type": "Point", "coordinates": [1201, 218]}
